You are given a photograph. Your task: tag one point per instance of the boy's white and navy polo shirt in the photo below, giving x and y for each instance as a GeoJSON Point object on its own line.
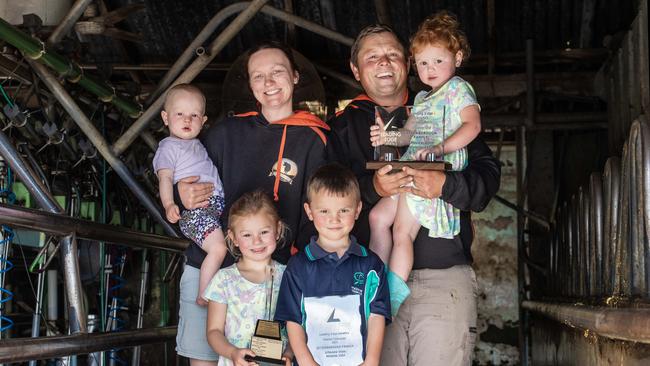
{"type": "Point", "coordinates": [316, 273]}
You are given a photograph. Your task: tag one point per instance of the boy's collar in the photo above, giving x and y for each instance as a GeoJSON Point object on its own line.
{"type": "Point", "coordinates": [315, 252]}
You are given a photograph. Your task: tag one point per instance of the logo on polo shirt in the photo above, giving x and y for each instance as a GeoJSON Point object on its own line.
{"type": "Point", "coordinates": [288, 170]}
{"type": "Point", "coordinates": [359, 278]}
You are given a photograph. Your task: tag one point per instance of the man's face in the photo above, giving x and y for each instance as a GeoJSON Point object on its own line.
{"type": "Point", "coordinates": [382, 68]}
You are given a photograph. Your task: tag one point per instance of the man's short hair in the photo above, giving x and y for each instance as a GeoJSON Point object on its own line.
{"type": "Point", "coordinates": [367, 31]}
{"type": "Point", "coordinates": [334, 179]}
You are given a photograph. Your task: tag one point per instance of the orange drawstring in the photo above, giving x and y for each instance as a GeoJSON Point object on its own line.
{"type": "Point", "coordinates": [278, 169]}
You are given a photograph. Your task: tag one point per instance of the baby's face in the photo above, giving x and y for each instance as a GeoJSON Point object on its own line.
{"type": "Point", "coordinates": [436, 65]}
{"type": "Point", "coordinates": [184, 114]}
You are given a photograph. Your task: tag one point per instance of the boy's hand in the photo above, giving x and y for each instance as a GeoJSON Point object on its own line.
{"type": "Point", "coordinates": [238, 357]}
{"type": "Point", "coordinates": [173, 213]}
{"type": "Point", "coordinates": [194, 194]}
{"type": "Point", "coordinates": [200, 301]}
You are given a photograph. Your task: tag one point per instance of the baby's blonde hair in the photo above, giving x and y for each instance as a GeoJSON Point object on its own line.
{"type": "Point", "coordinates": [183, 87]}
{"type": "Point", "coordinates": [249, 204]}
{"type": "Point", "coordinates": [442, 29]}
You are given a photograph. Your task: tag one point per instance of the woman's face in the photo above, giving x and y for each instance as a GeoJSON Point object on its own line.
{"type": "Point", "coordinates": [271, 78]}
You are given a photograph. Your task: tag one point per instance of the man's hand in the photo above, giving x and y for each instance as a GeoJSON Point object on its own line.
{"type": "Point", "coordinates": [426, 183]}
{"type": "Point", "coordinates": [193, 194]}
{"type": "Point", "coordinates": [173, 213]}
{"type": "Point", "coordinates": [387, 184]}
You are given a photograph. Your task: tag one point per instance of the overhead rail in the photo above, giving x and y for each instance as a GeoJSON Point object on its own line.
{"type": "Point", "coordinates": [57, 224]}
{"type": "Point", "coordinates": [25, 349]}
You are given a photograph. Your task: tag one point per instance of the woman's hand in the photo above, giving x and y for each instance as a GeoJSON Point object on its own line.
{"type": "Point", "coordinates": [238, 357]}
{"type": "Point", "coordinates": [193, 194]}
{"type": "Point", "coordinates": [422, 153]}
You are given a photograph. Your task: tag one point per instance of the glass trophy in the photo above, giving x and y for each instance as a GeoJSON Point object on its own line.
{"type": "Point", "coordinates": [396, 139]}
{"type": "Point", "coordinates": [267, 339]}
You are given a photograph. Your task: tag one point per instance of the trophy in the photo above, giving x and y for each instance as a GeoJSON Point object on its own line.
{"type": "Point", "coordinates": [267, 340]}
{"type": "Point", "coordinates": [391, 122]}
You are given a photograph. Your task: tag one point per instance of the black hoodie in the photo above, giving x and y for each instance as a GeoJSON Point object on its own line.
{"type": "Point", "coordinates": [245, 148]}
{"type": "Point", "coordinates": [468, 190]}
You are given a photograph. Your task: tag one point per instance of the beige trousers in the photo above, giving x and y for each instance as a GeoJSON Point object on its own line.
{"type": "Point", "coordinates": [436, 325]}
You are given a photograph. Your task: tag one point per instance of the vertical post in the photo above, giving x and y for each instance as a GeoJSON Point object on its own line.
{"type": "Point", "coordinates": [492, 39]}
{"type": "Point", "coordinates": [521, 249]}
{"type": "Point", "coordinates": [530, 83]}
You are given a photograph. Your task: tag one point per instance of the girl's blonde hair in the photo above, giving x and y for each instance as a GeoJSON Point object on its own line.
{"type": "Point", "coordinates": [249, 204]}
{"type": "Point", "coordinates": [442, 28]}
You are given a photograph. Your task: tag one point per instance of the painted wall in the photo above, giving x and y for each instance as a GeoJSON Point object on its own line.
{"type": "Point", "coordinates": [495, 262]}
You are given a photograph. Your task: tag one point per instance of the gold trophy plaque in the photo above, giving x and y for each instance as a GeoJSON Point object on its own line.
{"type": "Point", "coordinates": [267, 339]}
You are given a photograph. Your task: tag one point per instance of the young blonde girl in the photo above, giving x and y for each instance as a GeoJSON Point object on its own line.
{"type": "Point", "coordinates": [438, 48]}
{"type": "Point", "coordinates": [237, 294]}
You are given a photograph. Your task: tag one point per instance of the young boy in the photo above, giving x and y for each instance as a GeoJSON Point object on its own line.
{"type": "Point", "coordinates": [334, 295]}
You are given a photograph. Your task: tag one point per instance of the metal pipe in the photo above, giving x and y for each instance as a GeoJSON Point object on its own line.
{"type": "Point", "coordinates": [596, 236]}
{"type": "Point", "coordinates": [611, 197]}
{"type": "Point", "coordinates": [144, 274]}
{"type": "Point", "coordinates": [34, 49]}
{"type": "Point", "coordinates": [630, 324]}
{"type": "Point", "coordinates": [189, 74]}
{"type": "Point", "coordinates": [535, 217]}
{"type": "Point", "coordinates": [57, 224]}
{"type": "Point", "coordinates": [38, 307]}
{"type": "Point", "coordinates": [68, 21]}
{"type": "Point", "coordinates": [639, 144]}
{"type": "Point", "coordinates": [25, 349]}
{"type": "Point", "coordinates": [89, 129]}
{"type": "Point", "coordinates": [623, 255]}
{"type": "Point", "coordinates": [190, 51]}
{"type": "Point", "coordinates": [195, 68]}
{"type": "Point", "coordinates": [76, 316]}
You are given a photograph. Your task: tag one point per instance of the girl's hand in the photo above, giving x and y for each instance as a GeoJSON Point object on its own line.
{"type": "Point", "coordinates": [422, 153]}
{"type": "Point", "coordinates": [377, 133]}
{"type": "Point", "coordinates": [237, 357]}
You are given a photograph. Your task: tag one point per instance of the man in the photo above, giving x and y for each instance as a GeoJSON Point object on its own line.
{"type": "Point", "coordinates": [437, 323]}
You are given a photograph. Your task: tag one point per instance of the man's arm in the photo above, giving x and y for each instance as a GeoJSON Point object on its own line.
{"type": "Point", "coordinates": [298, 341]}
{"type": "Point", "coordinates": [470, 189]}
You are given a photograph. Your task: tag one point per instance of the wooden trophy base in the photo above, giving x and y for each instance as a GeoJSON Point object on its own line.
{"type": "Point", "coordinates": [419, 165]}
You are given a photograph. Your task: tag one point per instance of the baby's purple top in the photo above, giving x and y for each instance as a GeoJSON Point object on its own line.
{"type": "Point", "coordinates": [187, 158]}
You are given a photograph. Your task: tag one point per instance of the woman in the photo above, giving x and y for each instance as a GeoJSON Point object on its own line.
{"type": "Point", "coordinates": [273, 148]}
